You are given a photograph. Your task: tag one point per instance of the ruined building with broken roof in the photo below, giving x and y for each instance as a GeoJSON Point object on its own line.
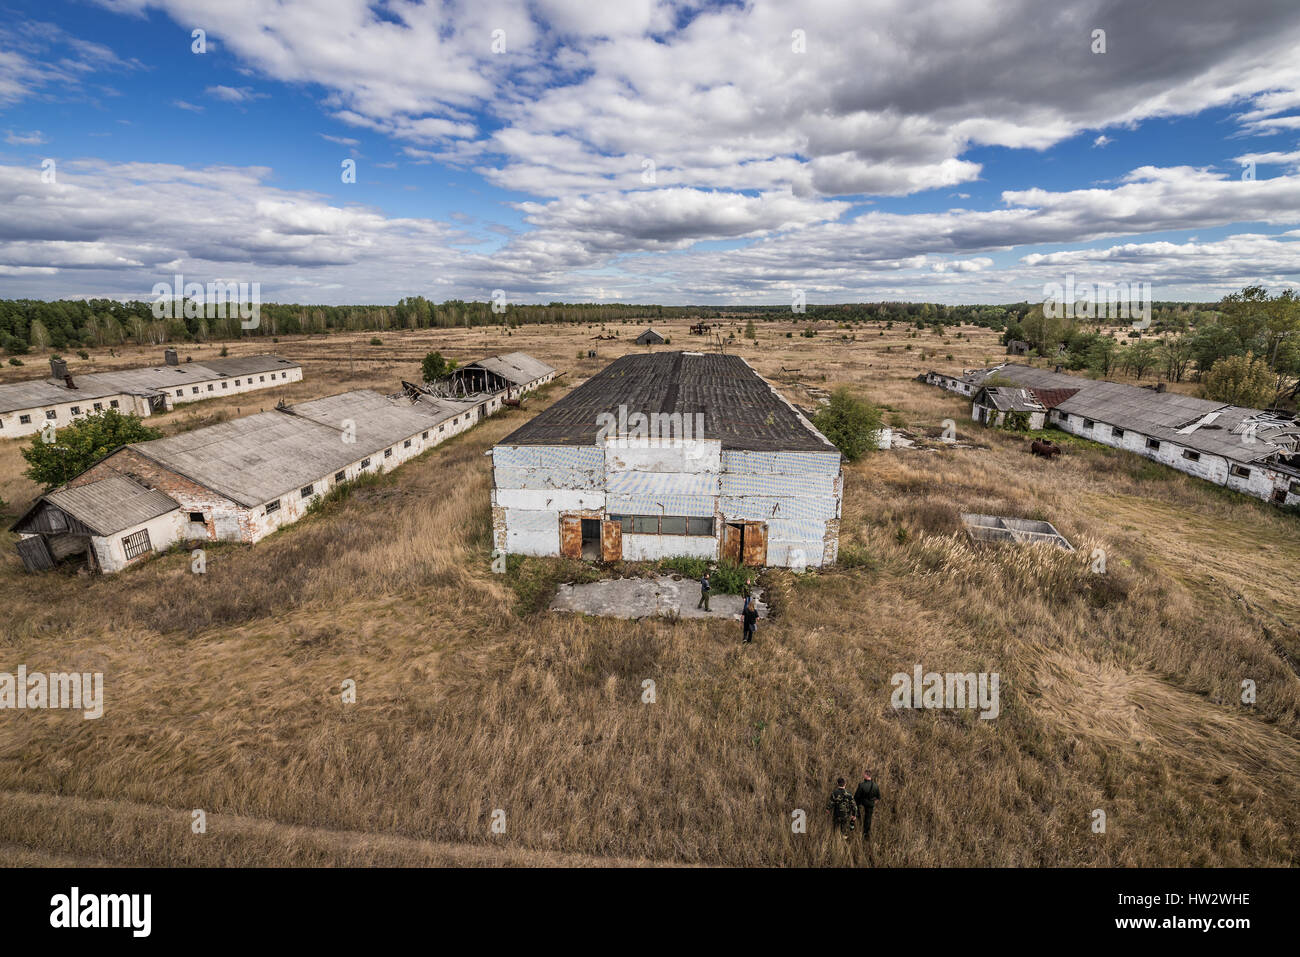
{"type": "Point", "coordinates": [670, 454]}
{"type": "Point", "coordinates": [1248, 450]}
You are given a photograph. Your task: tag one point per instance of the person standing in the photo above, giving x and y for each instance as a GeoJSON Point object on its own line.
{"type": "Point", "coordinates": [704, 593]}
{"type": "Point", "coordinates": [841, 808]}
{"type": "Point", "coordinates": [749, 619]}
{"type": "Point", "coordinates": [865, 797]}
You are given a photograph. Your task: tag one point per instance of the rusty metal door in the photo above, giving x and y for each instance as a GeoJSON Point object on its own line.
{"type": "Point", "coordinates": [611, 541]}
{"type": "Point", "coordinates": [732, 536]}
{"type": "Point", "coordinates": [755, 544]}
{"type": "Point", "coordinates": [570, 537]}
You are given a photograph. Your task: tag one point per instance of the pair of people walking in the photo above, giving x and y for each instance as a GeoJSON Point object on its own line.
{"type": "Point", "coordinates": [847, 809]}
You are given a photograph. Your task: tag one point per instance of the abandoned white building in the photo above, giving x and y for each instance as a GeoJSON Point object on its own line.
{"type": "Point", "coordinates": [1248, 450]}
{"type": "Point", "coordinates": [234, 482]}
{"type": "Point", "coordinates": [650, 338]}
{"type": "Point", "coordinates": [670, 454]}
{"type": "Point", "coordinates": [513, 374]}
{"type": "Point", "coordinates": [26, 407]}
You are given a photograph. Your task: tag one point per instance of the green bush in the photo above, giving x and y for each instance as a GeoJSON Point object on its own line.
{"type": "Point", "coordinates": [78, 446]}
{"type": "Point", "coordinates": [850, 423]}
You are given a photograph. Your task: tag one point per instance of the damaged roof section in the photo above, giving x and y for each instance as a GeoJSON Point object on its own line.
{"type": "Point", "coordinates": [105, 507]}
{"type": "Point", "coordinates": [738, 407]}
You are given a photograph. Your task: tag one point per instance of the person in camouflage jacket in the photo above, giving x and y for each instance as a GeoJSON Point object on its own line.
{"type": "Point", "coordinates": [842, 808]}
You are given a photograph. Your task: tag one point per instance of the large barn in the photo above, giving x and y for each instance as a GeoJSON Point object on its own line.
{"type": "Point", "coordinates": [670, 454]}
{"type": "Point", "coordinates": [1253, 451]}
{"type": "Point", "coordinates": [26, 407]}
{"type": "Point", "coordinates": [237, 481]}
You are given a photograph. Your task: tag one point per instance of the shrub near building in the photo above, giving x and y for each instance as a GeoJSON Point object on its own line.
{"type": "Point", "coordinates": [851, 423]}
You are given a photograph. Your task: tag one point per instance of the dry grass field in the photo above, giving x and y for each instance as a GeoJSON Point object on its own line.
{"type": "Point", "coordinates": [1119, 692]}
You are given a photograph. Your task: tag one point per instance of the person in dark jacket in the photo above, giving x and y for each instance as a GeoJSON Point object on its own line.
{"type": "Point", "coordinates": [840, 807]}
{"type": "Point", "coordinates": [865, 797]}
{"type": "Point", "coordinates": [749, 618]}
{"type": "Point", "coordinates": [704, 593]}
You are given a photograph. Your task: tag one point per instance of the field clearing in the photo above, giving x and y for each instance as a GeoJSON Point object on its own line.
{"type": "Point", "coordinates": [1119, 692]}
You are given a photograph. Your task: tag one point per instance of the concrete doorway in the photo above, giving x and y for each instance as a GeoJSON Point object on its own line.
{"type": "Point", "coordinates": [591, 539]}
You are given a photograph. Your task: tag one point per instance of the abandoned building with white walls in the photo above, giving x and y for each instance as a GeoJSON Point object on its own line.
{"type": "Point", "coordinates": [28, 407]}
{"type": "Point", "coordinates": [237, 481]}
{"type": "Point", "coordinates": [1252, 451]}
{"type": "Point", "coordinates": [670, 454]}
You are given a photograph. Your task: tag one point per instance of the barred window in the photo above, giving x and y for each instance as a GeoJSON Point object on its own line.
{"type": "Point", "coordinates": [136, 544]}
{"type": "Point", "coordinates": [388, 453]}
{"type": "Point", "coordinates": [365, 463]}
{"type": "Point", "coordinates": [406, 444]}
{"type": "Point", "coordinates": [273, 507]}
{"type": "Point", "coordinates": [306, 491]}
{"type": "Point", "coordinates": [340, 476]}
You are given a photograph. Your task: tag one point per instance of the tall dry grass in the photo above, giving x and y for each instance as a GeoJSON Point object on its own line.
{"type": "Point", "coordinates": [1119, 692]}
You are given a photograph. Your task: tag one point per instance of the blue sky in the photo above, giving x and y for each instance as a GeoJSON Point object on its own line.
{"type": "Point", "coordinates": [944, 151]}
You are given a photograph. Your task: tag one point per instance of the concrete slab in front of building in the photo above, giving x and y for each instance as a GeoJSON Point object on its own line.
{"type": "Point", "coordinates": [663, 597]}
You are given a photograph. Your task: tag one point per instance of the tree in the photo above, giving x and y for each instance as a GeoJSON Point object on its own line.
{"type": "Point", "coordinates": [1241, 380]}
{"type": "Point", "coordinates": [750, 332]}
{"type": "Point", "coordinates": [1176, 355]}
{"type": "Point", "coordinates": [435, 366]}
{"type": "Point", "coordinates": [78, 446]}
{"type": "Point", "coordinates": [1101, 355]}
{"type": "Point", "coordinates": [1141, 357]}
{"type": "Point", "coordinates": [850, 423]}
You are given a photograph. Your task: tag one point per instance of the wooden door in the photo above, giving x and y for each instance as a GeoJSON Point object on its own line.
{"type": "Point", "coordinates": [611, 541]}
{"type": "Point", "coordinates": [755, 544]}
{"type": "Point", "coordinates": [732, 536]}
{"type": "Point", "coordinates": [570, 536]}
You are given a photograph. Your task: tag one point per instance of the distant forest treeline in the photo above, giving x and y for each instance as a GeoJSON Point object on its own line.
{"type": "Point", "coordinates": [69, 323]}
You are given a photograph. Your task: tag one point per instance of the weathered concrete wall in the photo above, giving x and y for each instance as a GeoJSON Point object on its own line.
{"type": "Point", "coordinates": [798, 495]}
{"type": "Point", "coordinates": [232, 385]}
{"type": "Point", "coordinates": [1261, 482]}
{"type": "Point", "coordinates": [533, 484]}
{"type": "Point", "coordinates": [12, 426]}
{"type": "Point", "coordinates": [110, 552]}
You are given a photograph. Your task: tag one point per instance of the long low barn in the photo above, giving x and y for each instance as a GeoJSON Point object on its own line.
{"type": "Point", "coordinates": [234, 482]}
{"type": "Point", "coordinates": [27, 407]}
{"type": "Point", "coordinates": [1248, 450]}
{"type": "Point", "coordinates": [513, 373]}
{"type": "Point", "coordinates": [670, 454]}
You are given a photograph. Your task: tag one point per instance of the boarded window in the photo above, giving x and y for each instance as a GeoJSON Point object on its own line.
{"type": "Point", "coordinates": [136, 544]}
{"type": "Point", "coordinates": [273, 507]}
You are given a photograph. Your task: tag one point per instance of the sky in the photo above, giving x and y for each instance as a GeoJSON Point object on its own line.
{"type": "Point", "coordinates": [344, 151]}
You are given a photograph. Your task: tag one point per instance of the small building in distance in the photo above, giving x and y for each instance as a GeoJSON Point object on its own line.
{"type": "Point", "coordinates": [670, 454]}
{"type": "Point", "coordinates": [1017, 347]}
{"type": "Point", "coordinates": [650, 338]}
{"type": "Point", "coordinates": [26, 407]}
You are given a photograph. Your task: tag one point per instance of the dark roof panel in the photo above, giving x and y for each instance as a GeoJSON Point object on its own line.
{"type": "Point", "coordinates": [738, 406]}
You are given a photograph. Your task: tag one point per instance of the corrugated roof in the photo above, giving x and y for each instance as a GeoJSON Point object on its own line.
{"type": "Point", "coordinates": [1200, 424]}
{"type": "Point", "coordinates": [738, 406]}
{"type": "Point", "coordinates": [37, 393]}
{"type": "Point", "coordinates": [111, 504]}
{"type": "Point", "coordinates": [261, 457]}
{"type": "Point", "coordinates": [517, 367]}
